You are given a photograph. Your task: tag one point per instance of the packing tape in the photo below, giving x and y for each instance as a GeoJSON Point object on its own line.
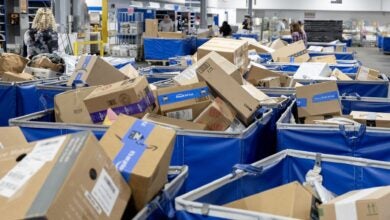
{"type": "Point", "coordinates": [325, 97]}
{"type": "Point", "coordinates": [133, 147]}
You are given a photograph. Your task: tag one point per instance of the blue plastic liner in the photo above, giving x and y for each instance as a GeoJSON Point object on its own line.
{"type": "Point", "coordinates": [201, 41]}
{"type": "Point", "coordinates": [339, 56]}
{"type": "Point", "coordinates": [8, 103]}
{"type": "Point", "coordinates": [356, 141]}
{"type": "Point", "coordinates": [238, 36]}
{"type": "Point", "coordinates": [386, 44]}
{"type": "Point", "coordinates": [285, 67]}
{"type": "Point", "coordinates": [379, 41]}
{"type": "Point", "coordinates": [163, 48]}
{"type": "Point", "coordinates": [340, 175]}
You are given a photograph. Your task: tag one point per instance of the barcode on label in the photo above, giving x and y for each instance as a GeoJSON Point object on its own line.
{"type": "Point", "coordinates": [185, 114]}
{"type": "Point", "coordinates": [93, 202]}
{"type": "Point", "coordinates": [105, 192]}
{"type": "Point", "coordinates": [46, 150]}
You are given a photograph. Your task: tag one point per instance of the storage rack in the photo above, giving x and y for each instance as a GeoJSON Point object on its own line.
{"type": "Point", "coordinates": [33, 6]}
{"type": "Point", "coordinates": [3, 25]}
{"type": "Point", "coordinates": [323, 30]}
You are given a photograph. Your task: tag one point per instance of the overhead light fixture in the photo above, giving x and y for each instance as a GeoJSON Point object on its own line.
{"type": "Point", "coordinates": [336, 2]}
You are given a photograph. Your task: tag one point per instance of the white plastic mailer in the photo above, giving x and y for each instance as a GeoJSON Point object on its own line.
{"type": "Point", "coordinates": [356, 141]}
{"type": "Point", "coordinates": [340, 175]}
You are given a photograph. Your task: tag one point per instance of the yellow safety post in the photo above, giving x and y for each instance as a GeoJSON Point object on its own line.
{"type": "Point", "coordinates": [100, 43]}
{"type": "Point", "coordinates": [105, 21]}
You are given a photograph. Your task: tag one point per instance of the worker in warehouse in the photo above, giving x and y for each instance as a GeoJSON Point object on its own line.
{"type": "Point", "coordinates": [166, 25]}
{"type": "Point", "coordinates": [42, 36]}
{"type": "Point", "coordinates": [297, 33]}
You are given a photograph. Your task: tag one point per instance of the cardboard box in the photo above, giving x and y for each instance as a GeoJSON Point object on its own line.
{"type": "Point", "coordinates": [11, 136]}
{"type": "Point", "coordinates": [184, 102]}
{"type": "Point", "coordinates": [172, 122]}
{"type": "Point", "coordinates": [229, 90]}
{"type": "Point", "coordinates": [129, 71]}
{"type": "Point", "coordinates": [270, 82]}
{"type": "Point", "coordinates": [278, 43]}
{"type": "Point", "coordinates": [255, 93]}
{"type": "Point", "coordinates": [129, 97]}
{"type": "Point", "coordinates": [343, 49]}
{"type": "Point", "coordinates": [291, 53]}
{"type": "Point", "coordinates": [318, 99]}
{"type": "Point", "coordinates": [258, 72]}
{"type": "Point", "coordinates": [151, 28]}
{"type": "Point", "coordinates": [16, 77]}
{"type": "Point", "coordinates": [187, 77]}
{"type": "Point", "coordinates": [290, 200]}
{"type": "Point", "coordinates": [171, 35]}
{"type": "Point", "coordinates": [327, 120]}
{"type": "Point", "coordinates": [372, 119]}
{"type": "Point", "coordinates": [313, 71]}
{"type": "Point", "coordinates": [69, 106]}
{"type": "Point", "coordinates": [141, 151]}
{"type": "Point", "coordinates": [218, 116]}
{"type": "Point", "coordinates": [254, 45]}
{"type": "Point", "coordinates": [366, 204]}
{"type": "Point", "coordinates": [236, 51]}
{"type": "Point", "coordinates": [227, 67]}
{"type": "Point", "coordinates": [329, 59]}
{"type": "Point", "coordinates": [367, 74]}
{"type": "Point", "coordinates": [67, 176]}
{"type": "Point", "coordinates": [94, 71]}
{"type": "Point", "coordinates": [316, 48]}
{"type": "Point", "coordinates": [340, 75]}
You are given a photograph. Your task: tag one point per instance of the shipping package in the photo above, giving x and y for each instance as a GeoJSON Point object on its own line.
{"type": "Point", "coordinates": [151, 28]}
{"type": "Point", "coordinates": [227, 67]}
{"type": "Point", "coordinates": [129, 97]}
{"type": "Point", "coordinates": [173, 122]}
{"type": "Point", "coordinates": [142, 152]}
{"type": "Point", "coordinates": [11, 136]}
{"type": "Point", "coordinates": [254, 45]}
{"type": "Point", "coordinates": [372, 119]}
{"type": "Point", "coordinates": [258, 72]}
{"type": "Point", "coordinates": [290, 200]}
{"type": "Point", "coordinates": [270, 82]}
{"type": "Point", "coordinates": [229, 90]}
{"type": "Point", "coordinates": [367, 74]}
{"type": "Point", "coordinates": [318, 99]}
{"type": "Point", "coordinates": [218, 116]}
{"type": "Point", "coordinates": [171, 35]}
{"type": "Point", "coordinates": [366, 204]}
{"type": "Point", "coordinates": [278, 43]}
{"type": "Point", "coordinates": [329, 59]}
{"type": "Point", "coordinates": [340, 75]}
{"type": "Point", "coordinates": [184, 102]}
{"type": "Point", "coordinates": [255, 93]}
{"type": "Point", "coordinates": [292, 53]}
{"type": "Point", "coordinates": [10, 62]}
{"type": "Point", "coordinates": [16, 77]}
{"type": "Point", "coordinates": [69, 106]}
{"type": "Point", "coordinates": [236, 51]}
{"type": "Point", "coordinates": [313, 71]}
{"type": "Point", "coordinates": [94, 71]}
{"type": "Point", "coordinates": [63, 177]}
{"type": "Point", "coordinates": [129, 71]}
{"type": "Point", "coordinates": [187, 77]}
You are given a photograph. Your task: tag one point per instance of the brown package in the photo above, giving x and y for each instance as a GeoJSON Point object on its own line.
{"type": "Point", "coordinates": [11, 136]}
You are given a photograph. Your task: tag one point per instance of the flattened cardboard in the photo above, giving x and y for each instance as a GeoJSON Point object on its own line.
{"type": "Point", "coordinates": [130, 97]}
{"type": "Point", "coordinates": [257, 73]}
{"type": "Point", "coordinates": [229, 90]}
{"type": "Point", "coordinates": [94, 71]}
{"type": "Point", "coordinates": [11, 136]}
{"type": "Point", "coordinates": [372, 119]}
{"type": "Point", "coordinates": [172, 122]}
{"type": "Point", "coordinates": [218, 116]}
{"type": "Point", "coordinates": [16, 77]}
{"type": "Point", "coordinates": [184, 102]}
{"type": "Point", "coordinates": [69, 106]}
{"type": "Point", "coordinates": [70, 182]}
{"type": "Point", "coordinates": [340, 75]}
{"type": "Point", "coordinates": [151, 28]}
{"type": "Point", "coordinates": [318, 99]}
{"type": "Point", "coordinates": [366, 204]}
{"type": "Point", "coordinates": [290, 200]}
{"type": "Point", "coordinates": [149, 173]}
{"type": "Point", "coordinates": [296, 50]}
{"type": "Point", "coordinates": [228, 67]}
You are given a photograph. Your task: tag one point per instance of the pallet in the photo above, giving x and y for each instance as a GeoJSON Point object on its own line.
{"type": "Point", "coordinates": [158, 62]}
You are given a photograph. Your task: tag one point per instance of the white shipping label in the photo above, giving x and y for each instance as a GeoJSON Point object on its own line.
{"type": "Point", "coordinates": [93, 202]}
{"type": "Point", "coordinates": [105, 192]}
{"type": "Point", "coordinates": [19, 175]}
{"type": "Point", "coordinates": [185, 114]}
{"type": "Point", "coordinates": [1, 146]}
{"type": "Point", "coordinates": [46, 150]}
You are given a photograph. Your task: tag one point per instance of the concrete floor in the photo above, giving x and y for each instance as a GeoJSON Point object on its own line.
{"type": "Point", "coordinates": [373, 58]}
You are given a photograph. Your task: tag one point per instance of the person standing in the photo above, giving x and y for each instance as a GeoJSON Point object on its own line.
{"type": "Point", "coordinates": [166, 25]}
{"type": "Point", "coordinates": [225, 29]}
{"type": "Point", "coordinates": [298, 34]}
{"type": "Point", "coordinates": [42, 37]}
{"type": "Point", "coordinates": [247, 23]}
{"type": "Point", "coordinates": [280, 26]}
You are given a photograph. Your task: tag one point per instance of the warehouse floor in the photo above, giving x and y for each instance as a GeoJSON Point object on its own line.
{"type": "Point", "coordinates": [373, 58]}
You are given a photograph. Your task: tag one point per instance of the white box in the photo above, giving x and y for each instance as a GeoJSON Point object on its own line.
{"type": "Point", "coordinates": [313, 71]}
